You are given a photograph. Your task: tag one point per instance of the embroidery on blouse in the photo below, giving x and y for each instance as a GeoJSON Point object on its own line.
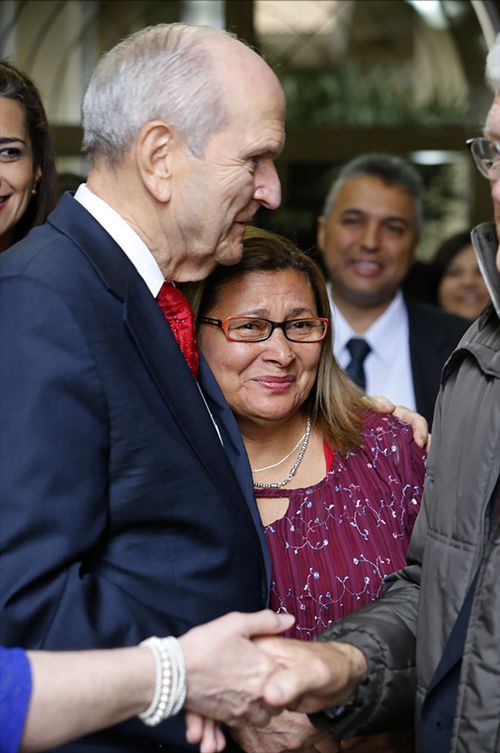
{"type": "Point", "coordinates": [341, 537]}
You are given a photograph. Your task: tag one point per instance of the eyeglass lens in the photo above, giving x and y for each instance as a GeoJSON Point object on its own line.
{"type": "Point", "coordinates": [297, 330]}
{"type": "Point", "coordinates": [486, 155]}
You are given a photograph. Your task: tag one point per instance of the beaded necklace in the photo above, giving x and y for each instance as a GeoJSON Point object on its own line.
{"type": "Point", "coordinates": [293, 470]}
{"type": "Point", "coordinates": [275, 465]}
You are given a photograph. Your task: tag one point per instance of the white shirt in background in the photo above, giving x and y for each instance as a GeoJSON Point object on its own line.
{"type": "Point", "coordinates": [387, 366]}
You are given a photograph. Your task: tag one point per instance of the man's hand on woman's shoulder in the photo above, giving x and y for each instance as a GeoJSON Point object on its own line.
{"type": "Point", "coordinates": [419, 425]}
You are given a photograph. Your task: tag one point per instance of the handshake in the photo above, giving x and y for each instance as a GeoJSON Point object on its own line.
{"type": "Point", "coordinates": [236, 670]}
{"type": "Point", "coordinates": [240, 672]}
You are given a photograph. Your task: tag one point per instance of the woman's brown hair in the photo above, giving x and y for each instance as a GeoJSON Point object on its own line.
{"type": "Point", "coordinates": [335, 404]}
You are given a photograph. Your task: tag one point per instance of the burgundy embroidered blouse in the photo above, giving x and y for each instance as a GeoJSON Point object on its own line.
{"type": "Point", "coordinates": [340, 537]}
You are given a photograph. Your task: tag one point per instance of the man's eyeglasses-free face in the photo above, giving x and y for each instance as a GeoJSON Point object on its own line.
{"type": "Point", "coordinates": [486, 156]}
{"type": "Point", "coordinates": [252, 329]}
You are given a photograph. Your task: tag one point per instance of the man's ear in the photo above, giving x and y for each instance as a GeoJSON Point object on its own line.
{"type": "Point", "coordinates": [320, 236]}
{"type": "Point", "coordinates": [153, 153]}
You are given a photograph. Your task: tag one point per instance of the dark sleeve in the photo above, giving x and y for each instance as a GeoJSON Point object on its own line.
{"type": "Point", "coordinates": [385, 630]}
{"type": "Point", "coordinates": [53, 466]}
{"type": "Point", "coordinates": [15, 691]}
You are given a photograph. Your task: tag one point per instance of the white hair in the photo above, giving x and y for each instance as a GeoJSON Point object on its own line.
{"type": "Point", "coordinates": [161, 72]}
{"type": "Point", "coordinates": [493, 66]}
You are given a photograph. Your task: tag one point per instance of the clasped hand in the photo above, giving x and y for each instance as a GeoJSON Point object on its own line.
{"type": "Point", "coordinates": [235, 675]}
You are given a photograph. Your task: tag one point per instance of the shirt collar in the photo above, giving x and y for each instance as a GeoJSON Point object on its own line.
{"type": "Point", "coordinates": [121, 232]}
{"type": "Point", "coordinates": [383, 336]}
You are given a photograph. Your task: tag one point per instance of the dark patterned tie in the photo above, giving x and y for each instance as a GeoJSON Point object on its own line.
{"type": "Point", "coordinates": [180, 318]}
{"type": "Point", "coordinates": [359, 349]}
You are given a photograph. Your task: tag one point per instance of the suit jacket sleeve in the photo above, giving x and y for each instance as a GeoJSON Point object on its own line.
{"type": "Point", "coordinates": [53, 473]}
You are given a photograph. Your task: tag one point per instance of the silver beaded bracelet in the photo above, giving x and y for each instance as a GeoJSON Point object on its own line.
{"type": "Point", "coordinates": [170, 690]}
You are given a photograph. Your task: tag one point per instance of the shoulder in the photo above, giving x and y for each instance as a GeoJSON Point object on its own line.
{"type": "Point", "coordinates": [46, 255]}
{"type": "Point", "coordinates": [482, 341]}
{"type": "Point", "coordinates": [388, 439]}
{"type": "Point", "coordinates": [423, 315]}
{"type": "Point", "coordinates": [47, 246]}
{"type": "Point", "coordinates": [18, 257]}
{"type": "Point", "coordinates": [384, 424]}
{"type": "Point", "coordinates": [40, 279]}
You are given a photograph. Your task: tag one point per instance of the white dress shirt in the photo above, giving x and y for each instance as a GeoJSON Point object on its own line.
{"type": "Point", "coordinates": [128, 240]}
{"type": "Point", "coordinates": [387, 366]}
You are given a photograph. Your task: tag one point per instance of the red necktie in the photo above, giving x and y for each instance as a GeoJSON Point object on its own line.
{"type": "Point", "coordinates": [179, 315]}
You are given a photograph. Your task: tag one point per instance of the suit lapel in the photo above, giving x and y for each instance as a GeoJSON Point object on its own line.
{"type": "Point", "coordinates": [234, 447]}
{"type": "Point", "coordinates": [158, 349]}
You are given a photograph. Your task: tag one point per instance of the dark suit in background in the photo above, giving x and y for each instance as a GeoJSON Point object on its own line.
{"type": "Point", "coordinates": [433, 336]}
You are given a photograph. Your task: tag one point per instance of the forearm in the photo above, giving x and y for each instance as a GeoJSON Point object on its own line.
{"type": "Point", "coordinates": [75, 693]}
{"type": "Point", "coordinates": [384, 632]}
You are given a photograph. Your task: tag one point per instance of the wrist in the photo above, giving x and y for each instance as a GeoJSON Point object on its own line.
{"type": "Point", "coordinates": [357, 668]}
{"type": "Point", "coordinates": [170, 686]}
{"type": "Point", "coordinates": [146, 672]}
{"type": "Point", "coordinates": [347, 666]}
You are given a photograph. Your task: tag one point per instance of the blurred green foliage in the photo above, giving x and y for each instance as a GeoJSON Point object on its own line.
{"type": "Point", "coordinates": [356, 96]}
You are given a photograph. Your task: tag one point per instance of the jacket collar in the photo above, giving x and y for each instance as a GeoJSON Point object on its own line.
{"type": "Point", "coordinates": [485, 242]}
{"type": "Point", "coordinates": [105, 255]}
{"type": "Point", "coordinates": [483, 348]}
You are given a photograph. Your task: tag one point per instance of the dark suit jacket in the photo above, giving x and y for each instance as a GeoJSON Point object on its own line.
{"type": "Point", "coordinates": [121, 514]}
{"type": "Point", "coordinates": [434, 335]}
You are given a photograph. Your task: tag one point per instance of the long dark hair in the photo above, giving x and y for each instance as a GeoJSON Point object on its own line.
{"type": "Point", "coordinates": [445, 254]}
{"type": "Point", "coordinates": [17, 86]}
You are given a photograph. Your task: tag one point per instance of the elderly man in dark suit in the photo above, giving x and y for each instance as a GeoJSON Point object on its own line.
{"type": "Point", "coordinates": [126, 498]}
{"type": "Point", "coordinates": [368, 233]}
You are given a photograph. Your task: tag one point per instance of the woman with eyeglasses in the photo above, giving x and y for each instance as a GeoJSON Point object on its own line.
{"type": "Point", "coordinates": [338, 484]}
